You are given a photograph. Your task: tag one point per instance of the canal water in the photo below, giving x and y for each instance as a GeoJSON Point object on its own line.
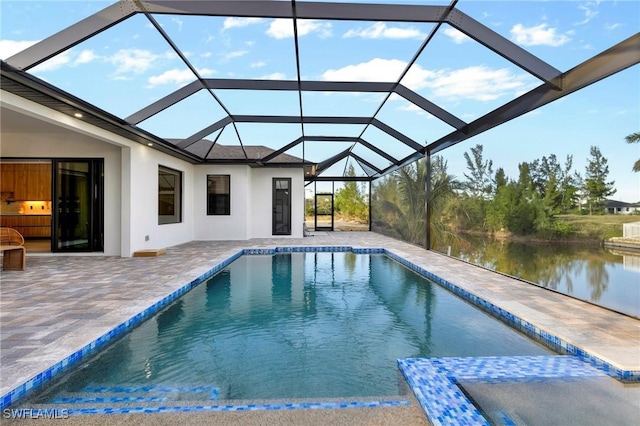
{"type": "Point", "coordinates": [606, 277]}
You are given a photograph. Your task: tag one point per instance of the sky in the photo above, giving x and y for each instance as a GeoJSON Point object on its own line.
{"type": "Point", "coordinates": [130, 65]}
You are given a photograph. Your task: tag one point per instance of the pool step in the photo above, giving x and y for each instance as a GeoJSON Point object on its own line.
{"type": "Point", "coordinates": [138, 394]}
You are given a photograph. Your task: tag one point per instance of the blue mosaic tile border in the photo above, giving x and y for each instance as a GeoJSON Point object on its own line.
{"type": "Point", "coordinates": [227, 407]}
{"type": "Point", "coordinates": [36, 382]}
{"type": "Point", "coordinates": [213, 391]}
{"type": "Point", "coordinates": [434, 381]}
{"type": "Point", "coordinates": [314, 249]}
{"type": "Point", "coordinates": [551, 340]}
{"type": "Point", "coordinates": [100, 400]}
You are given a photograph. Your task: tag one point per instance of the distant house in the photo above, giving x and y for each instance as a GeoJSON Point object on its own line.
{"type": "Point", "coordinates": [620, 207]}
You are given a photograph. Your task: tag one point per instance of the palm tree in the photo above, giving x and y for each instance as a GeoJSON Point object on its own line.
{"type": "Point", "coordinates": [412, 188]}
{"type": "Point", "coordinates": [443, 190]}
{"type": "Point", "coordinates": [633, 138]}
{"type": "Point", "coordinates": [400, 202]}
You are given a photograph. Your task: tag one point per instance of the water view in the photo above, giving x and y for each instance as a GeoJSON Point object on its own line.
{"type": "Point", "coordinates": [606, 277]}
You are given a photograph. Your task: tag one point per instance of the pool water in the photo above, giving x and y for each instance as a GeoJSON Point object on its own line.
{"type": "Point", "coordinates": [292, 325]}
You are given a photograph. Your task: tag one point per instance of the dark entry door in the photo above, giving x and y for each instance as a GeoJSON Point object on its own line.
{"type": "Point", "coordinates": [324, 212]}
{"type": "Point", "coordinates": [281, 206]}
{"type": "Point", "coordinates": [78, 205]}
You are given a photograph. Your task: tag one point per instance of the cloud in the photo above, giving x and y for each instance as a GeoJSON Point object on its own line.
{"type": "Point", "coordinates": [274, 76]}
{"type": "Point", "coordinates": [376, 69]}
{"type": "Point", "coordinates": [258, 64]}
{"type": "Point", "coordinates": [136, 61]}
{"type": "Point", "coordinates": [9, 48]}
{"type": "Point", "coordinates": [538, 35]}
{"type": "Point", "coordinates": [457, 36]}
{"type": "Point", "coordinates": [478, 83]}
{"type": "Point", "coordinates": [85, 57]}
{"type": "Point", "coordinates": [178, 22]}
{"type": "Point", "coordinates": [611, 27]}
{"type": "Point", "coordinates": [53, 63]}
{"type": "Point", "coordinates": [176, 76]}
{"type": "Point", "coordinates": [408, 106]}
{"type": "Point", "coordinates": [239, 22]}
{"type": "Point", "coordinates": [590, 11]}
{"type": "Point", "coordinates": [235, 54]}
{"type": "Point", "coordinates": [381, 30]}
{"type": "Point", "coordinates": [283, 28]}
{"type": "Point", "coordinates": [381, 70]}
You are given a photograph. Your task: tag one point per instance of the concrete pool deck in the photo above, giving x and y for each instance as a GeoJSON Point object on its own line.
{"type": "Point", "coordinates": [60, 304]}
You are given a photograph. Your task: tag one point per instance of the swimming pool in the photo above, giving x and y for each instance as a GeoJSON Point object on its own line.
{"type": "Point", "coordinates": [290, 325]}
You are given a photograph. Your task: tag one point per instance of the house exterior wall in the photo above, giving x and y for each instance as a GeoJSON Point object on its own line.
{"type": "Point", "coordinates": [143, 187]}
{"type": "Point", "coordinates": [622, 210]}
{"type": "Point", "coordinates": [131, 185]}
{"type": "Point", "coordinates": [251, 202]}
{"type": "Point", "coordinates": [130, 176]}
{"type": "Point", "coordinates": [232, 227]}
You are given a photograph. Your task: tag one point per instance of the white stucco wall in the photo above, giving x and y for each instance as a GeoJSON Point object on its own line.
{"type": "Point", "coordinates": [144, 201]}
{"type": "Point", "coordinates": [251, 202]}
{"type": "Point", "coordinates": [234, 226]}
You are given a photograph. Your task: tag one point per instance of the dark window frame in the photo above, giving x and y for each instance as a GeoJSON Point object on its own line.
{"type": "Point", "coordinates": [214, 207]}
{"type": "Point", "coordinates": [284, 226]}
{"type": "Point", "coordinates": [172, 193]}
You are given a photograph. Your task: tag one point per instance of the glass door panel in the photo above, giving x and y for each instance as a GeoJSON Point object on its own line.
{"type": "Point", "coordinates": [77, 206]}
{"type": "Point", "coordinates": [281, 206]}
{"type": "Point", "coordinates": [324, 212]}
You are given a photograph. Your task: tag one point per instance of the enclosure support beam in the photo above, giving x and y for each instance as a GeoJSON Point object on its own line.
{"type": "Point", "coordinates": [427, 201]}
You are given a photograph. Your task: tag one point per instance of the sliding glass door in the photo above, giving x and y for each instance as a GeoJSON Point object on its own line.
{"type": "Point", "coordinates": [78, 206]}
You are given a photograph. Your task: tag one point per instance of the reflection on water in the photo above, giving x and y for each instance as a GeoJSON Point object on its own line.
{"type": "Point", "coordinates": [608, 278]}
{"type": "Point", "coordinates": [630, 261]}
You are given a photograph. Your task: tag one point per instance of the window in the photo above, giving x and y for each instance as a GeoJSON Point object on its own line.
{"type": "Point", "coordinates": [169, 195]}
{"type": "Point", "coordinates": [218, 195]}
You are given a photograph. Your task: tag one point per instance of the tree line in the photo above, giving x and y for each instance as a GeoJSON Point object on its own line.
{"type": "Point", "coordinates": [489, 201]}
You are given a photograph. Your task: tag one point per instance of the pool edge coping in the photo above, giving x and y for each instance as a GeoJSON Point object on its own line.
{"type": "Point", "coordinates": [555, 342]}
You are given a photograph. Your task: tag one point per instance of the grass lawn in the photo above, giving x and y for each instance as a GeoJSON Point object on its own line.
{"type": "Point", "coordinates": [600, 226]}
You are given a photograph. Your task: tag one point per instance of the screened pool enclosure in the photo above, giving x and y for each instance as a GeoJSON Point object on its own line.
{"type": "Point", "coordinates": [352, 91]}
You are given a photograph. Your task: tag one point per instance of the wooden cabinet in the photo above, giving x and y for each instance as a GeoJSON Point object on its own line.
{"type": "Point", "coordinates": [20, 186]}
{"type": "Point", "coordinates": [39, 182]}
{"type": "Point", "coordinates": [30, 226]}
{"type": "Point", "coordinates": [28, 182]}
{"type": "Point", "coordinates": [7, 178]}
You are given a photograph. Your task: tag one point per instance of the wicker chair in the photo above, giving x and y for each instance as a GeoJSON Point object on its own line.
{"type": "Point", "coordinates": [11, 246]}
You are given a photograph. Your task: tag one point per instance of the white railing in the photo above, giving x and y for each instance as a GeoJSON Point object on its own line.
{"type": "Point", "coordinates": [631, 230]}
